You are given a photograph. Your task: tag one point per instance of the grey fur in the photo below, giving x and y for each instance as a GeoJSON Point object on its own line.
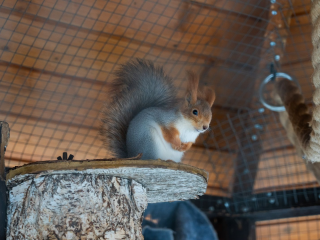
{"type": "Point", "coordinates": [142, 129]}
{"type": "Point", "coordinates": [138, 85]}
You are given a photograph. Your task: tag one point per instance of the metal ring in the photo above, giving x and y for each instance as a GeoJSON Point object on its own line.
{"type": "Point", "coordinates": [265, 81]}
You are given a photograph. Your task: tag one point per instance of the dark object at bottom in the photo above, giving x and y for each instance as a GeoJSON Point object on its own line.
{"type": "Point", "coordinates": [234, 228]}
{"type": "Point", "coordinates": [3, 209]}
{"type": "Point", "coordinates": [176, 220]}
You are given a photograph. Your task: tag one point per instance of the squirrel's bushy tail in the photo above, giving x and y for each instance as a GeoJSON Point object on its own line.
{"type": "Point", "coordinates": [138, 85]}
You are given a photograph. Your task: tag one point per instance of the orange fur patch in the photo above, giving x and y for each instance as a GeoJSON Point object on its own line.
{"type": "Point", "coordinates": [185, 146]}
{"type": "Point", "coordinates": [171, 135]}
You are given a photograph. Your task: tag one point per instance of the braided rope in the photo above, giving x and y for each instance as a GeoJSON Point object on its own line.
{"type": "Point", "coordinates": [309, 136]}
{"type": "Point", "coordinates": [312, 150]}
{"type": "Point", "coordinates": [297, 110]}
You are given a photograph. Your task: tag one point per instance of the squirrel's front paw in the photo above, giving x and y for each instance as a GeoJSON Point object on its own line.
{"type": "Point", "coordinates": [185, 146]}
{"type": "Point", "coordinates": [176, 147]}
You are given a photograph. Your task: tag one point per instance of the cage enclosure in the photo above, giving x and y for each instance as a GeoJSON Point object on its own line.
{"type": "Point", "coordinates": [57, 58]}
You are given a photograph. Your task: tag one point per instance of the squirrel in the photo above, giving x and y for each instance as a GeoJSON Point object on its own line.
{"type": "Point", "coordinates": [146, 116]}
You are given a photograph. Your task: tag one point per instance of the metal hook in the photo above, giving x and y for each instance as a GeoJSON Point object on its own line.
{"type": "Point", "coordinates": [273, 71]}
{"type": "Point", "coordinates": [268, 79]}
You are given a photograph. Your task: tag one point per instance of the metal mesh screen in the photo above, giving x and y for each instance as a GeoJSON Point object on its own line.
{"type": "Point", "coordinates": [57, 57]}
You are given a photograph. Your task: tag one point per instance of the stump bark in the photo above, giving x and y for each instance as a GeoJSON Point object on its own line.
{"type": "Point", "coordinates": [76, 206]}
{"type": "Point", "coordinates": [93, 199]}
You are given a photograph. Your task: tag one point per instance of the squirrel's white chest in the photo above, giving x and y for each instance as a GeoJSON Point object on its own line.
{"type": "Point", "coordinates": [187, 131]}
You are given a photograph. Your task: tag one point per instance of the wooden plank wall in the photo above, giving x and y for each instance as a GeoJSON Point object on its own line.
{"type": "Point", "coordinates": [298, 51]}
{"type": "Point", "coordinates": [280, 167]}
{"type": "Point", "coordinates": [298, 228]}
{"type": "Point", "coordinates": [218, 164]}
{"type": "Point", "coordinates": [282, 170]}
{"type": "Point", "coordinates": [56, 58]}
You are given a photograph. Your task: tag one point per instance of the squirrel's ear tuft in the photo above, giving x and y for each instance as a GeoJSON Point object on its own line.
{"type": "Point", "coordinates": [210, 95]}
{"type": "Point", "coordinates": [192, 90]}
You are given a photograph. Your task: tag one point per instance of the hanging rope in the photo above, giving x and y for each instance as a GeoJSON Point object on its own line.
{"type": "Point", "coordinates": [297, 110]}
{"type": "Point", "coordinates": [306, 128]}
{"type": "Point", "coordinates": [312, 151]}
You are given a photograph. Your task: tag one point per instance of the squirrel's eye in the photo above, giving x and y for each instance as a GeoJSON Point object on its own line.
{"type": "Point", "coordinates": [195, 112]}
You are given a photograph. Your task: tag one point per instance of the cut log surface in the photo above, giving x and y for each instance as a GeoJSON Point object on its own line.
{"type": "Point", "coordinates": [164, 180]}
{"type": "Point", "coordinates": [93, 199]}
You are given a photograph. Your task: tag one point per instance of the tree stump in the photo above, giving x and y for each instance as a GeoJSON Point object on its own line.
{"type": "Point", "coordinates": [93, 199]}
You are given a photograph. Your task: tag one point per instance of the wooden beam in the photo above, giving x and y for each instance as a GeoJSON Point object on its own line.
{"type": "Point", "coordinates": [33, 70]}
{"type": "Point", "coordinates": [311, 184]}
{"type": "Point", "coordinates": [228, 12]}
{"type": "Point", "coordinates": [152, 41]}
{"type": "Point", "coordinates": [189, 7]}
{"type": "Point", "coordinates": [4, 138]}
{"type": "Point", "coordinates": [283, 214]}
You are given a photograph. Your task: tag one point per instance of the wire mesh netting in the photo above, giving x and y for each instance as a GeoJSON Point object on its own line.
{"type": "Point", "coordinates": [57, 57]}
{"type": "Point", "coordinates": [294, 228]}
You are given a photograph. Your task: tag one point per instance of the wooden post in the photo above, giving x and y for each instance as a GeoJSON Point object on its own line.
{"type": "Point", "coordinates": [93, 199]}
{"type": "Point", "coordinates": [4, 138]}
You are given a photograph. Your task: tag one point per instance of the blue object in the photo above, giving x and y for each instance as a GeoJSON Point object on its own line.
{"type": "Point", "coordinates": [176, 221]}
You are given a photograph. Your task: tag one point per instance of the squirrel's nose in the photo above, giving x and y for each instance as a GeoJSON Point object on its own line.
{"type": "Point", "coordinates": [205, 127]}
